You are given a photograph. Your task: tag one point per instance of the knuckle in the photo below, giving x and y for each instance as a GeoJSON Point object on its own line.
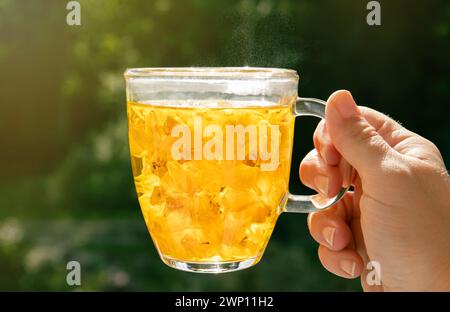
{"type": "Point", "coordinates": [311, 157]}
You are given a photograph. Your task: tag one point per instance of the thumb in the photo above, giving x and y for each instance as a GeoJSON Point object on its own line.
{"type": "Point", "coordinates": [356, 140]}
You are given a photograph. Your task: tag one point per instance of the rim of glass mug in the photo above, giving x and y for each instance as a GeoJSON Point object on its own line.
{"type": "Point", "coordinates": [244, 86]}
{"type": "Point", "coordinates": [260, 73]}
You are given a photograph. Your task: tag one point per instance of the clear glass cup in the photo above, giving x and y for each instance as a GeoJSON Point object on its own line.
{"type": "Point", "coordinates": [211, 154]}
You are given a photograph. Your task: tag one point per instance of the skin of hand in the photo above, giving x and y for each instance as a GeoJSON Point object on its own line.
{"type": "Point", "coordinates": [399, 212]}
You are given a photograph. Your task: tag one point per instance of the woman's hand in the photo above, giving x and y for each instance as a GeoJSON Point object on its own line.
{"type": "Point", "coordinates": [399, 212]}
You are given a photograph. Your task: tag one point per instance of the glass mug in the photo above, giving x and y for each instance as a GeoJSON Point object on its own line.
{"type": "Point", "coordinates": [211, 155]}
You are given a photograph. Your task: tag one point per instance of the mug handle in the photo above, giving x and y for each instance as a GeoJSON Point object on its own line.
{"type": "Point", "coordinates": [310, 203]}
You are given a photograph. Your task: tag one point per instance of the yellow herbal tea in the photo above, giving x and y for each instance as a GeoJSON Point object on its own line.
{"type": "Point", "coordinates": [211, 178]}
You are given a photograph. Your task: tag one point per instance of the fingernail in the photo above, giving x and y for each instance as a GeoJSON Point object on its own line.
{"type": "Point", "coordinates": [321, 183]}
{"type": "Point", "coordinates": [345, 104]}
{"type": "Point", "coordinates": [328, 235]}
{"type": "Point", "coordinates": [348, 267]}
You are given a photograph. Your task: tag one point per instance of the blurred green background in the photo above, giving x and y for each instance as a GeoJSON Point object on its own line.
{"type": "Point", "coordinates": [66, 190]}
